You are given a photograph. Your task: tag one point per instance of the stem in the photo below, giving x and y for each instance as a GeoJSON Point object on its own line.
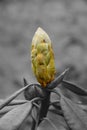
{"type": "Point", "coordinates": [44, 107]}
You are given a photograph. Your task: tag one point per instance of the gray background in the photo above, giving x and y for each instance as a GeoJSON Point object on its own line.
{"type": "Point", "coordinates": [65, 21]}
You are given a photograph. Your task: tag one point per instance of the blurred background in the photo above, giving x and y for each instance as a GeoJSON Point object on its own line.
{"type": "Point", "coordinates": [65, 21]}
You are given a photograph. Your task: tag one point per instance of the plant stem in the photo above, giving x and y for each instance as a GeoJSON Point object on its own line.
{"type": "Point", "coordinates": [44, 107]}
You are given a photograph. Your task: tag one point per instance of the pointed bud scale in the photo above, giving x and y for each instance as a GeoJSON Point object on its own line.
{"type": "Point", "coordinates": [58, 80]}
{"type": "Point", "coordinates": [42, 57]}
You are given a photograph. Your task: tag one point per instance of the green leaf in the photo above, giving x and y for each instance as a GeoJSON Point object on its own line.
{"type": "Point", "coordinates": [76, 118]}
{"type": "Point", "coordinates": [13, 119]}
{"type": "Point", "coordinates": [74, 88]}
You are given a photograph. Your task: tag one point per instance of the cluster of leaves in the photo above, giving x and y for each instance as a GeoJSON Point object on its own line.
{"type": "Point", "coordinates": [60, 114]}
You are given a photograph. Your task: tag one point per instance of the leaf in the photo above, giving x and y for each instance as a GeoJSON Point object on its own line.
{"type": "Point", "coordinates": [55, 107]}
{"type": "Point", "coordinates": [25, 81]}
{"type": "Point", "coordinates": [51, 123]}
{"type": "Point", "coordinates": [74, 88]}
{"type": "Point", "coordinates": [35, 117]}
{"type": "Point", "coordinates": [7, 109]}
{"type": "Point", "coordinates": [35, 112]}
{"type": "Point", "coordinates": [13, 119]}
{"type": "Point", "coordinates": [56, 119]}
{"type": "Point", "coordinates": [58, 80]}
{"type": "Point", "coordinates": [14, 95]}
{"type": "Point", "coordinates": [76, 118]}
{"type": "Point", "coordinates": [14, 102]}
{"type": "Point", "coordinates": [56, 110]}
{"type": "Point", "coordinates": [56, 104]}
{"type": "Point", "coordinates": [84, 107]}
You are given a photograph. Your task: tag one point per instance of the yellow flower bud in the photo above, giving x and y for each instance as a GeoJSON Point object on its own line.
{"type": "Point", "coordinates": [42, 57]}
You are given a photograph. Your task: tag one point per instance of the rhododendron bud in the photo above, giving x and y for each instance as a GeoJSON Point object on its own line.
{"type": "Point", "coordinates": [42, 57]}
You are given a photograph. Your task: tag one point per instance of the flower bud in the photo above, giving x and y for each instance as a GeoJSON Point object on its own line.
{"type": "Point", "coordinates": [42, 57]}
{"type": "Point", "coordinates": [33, 91]}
